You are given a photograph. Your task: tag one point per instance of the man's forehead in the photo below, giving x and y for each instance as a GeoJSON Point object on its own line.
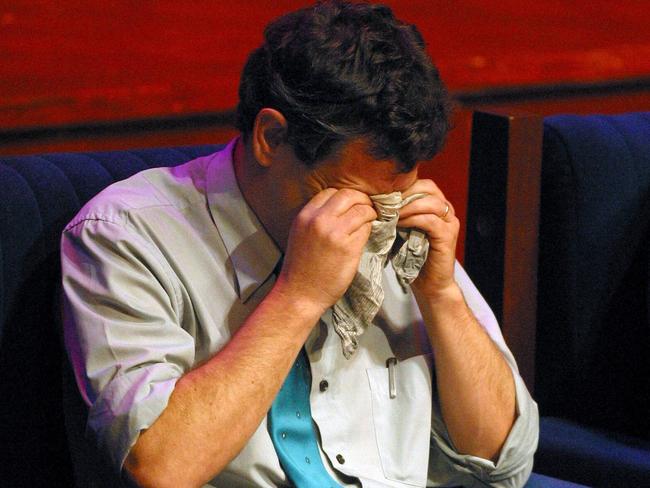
{"type": "Point", "coordinates": [354, 165]}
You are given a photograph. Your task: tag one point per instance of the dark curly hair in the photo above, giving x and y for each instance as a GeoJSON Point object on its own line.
{"type": "Point", "coordinates": [339, 70]}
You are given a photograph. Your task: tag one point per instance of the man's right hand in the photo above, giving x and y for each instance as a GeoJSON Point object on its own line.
{"type": "Point", "coordinates": [179, 449]}
{"type": "Point", "coordinates": [325, 245]}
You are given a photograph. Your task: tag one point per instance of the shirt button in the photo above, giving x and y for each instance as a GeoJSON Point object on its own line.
{"type": "Point", "coordinates": [340, 459]}
{"type": "Point", "coordinates": [324, 385]}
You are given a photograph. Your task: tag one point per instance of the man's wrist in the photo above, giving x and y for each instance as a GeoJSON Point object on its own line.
{"type": "Point", "coordinates": [296, 302]}
{"type": "Point", "coordinates": [446, 306]}
{"type": "Point", "coordinates": [442, 298]}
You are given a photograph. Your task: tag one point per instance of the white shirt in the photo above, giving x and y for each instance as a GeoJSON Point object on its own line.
{"type": "Point", "coordinates": [161, 269]}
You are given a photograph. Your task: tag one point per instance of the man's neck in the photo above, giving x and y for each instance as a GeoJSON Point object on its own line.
{"type": "Point", "coordinates": [259, 195]}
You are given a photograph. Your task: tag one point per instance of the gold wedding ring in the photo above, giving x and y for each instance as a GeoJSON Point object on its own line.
{"type": "Point", "coordinates": [446, 212]}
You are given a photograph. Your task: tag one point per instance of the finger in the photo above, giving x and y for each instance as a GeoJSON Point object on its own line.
{"type": "Point", "coordinates": [428, 205]}
{"type": "Point", "coordinates": [357, 216]}
{"type": "Point", "coordinates": [318, 200]}
{"type": "Point", "coordinates": [449, 212]}
{"type": "Point", "coordinates": [344, 199]}
{"type": "Point", "coordinates": [433, 226]}
{"type": "Point", "coordinates": [360, 236]}
{"type": "Point", "coordinates": [424, 186]}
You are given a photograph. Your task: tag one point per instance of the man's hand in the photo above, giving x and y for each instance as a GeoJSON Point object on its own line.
{"type": "Point", "coordinates": [435, 216]}
{"type": "Point", "coordinates": [475, 384]}
{"type": "Point", "coordinates": [323, 253]}
{"type": "Point", "coordinates": [325, 245]}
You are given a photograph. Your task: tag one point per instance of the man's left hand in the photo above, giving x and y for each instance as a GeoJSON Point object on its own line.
{"type": "Point", "coordinates": [435, 216]}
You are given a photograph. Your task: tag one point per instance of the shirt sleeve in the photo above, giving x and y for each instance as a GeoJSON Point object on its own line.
{"type": "Point", "coordinates": [447, 467]}
{"type": "Point", "coordinates": [122, 330]}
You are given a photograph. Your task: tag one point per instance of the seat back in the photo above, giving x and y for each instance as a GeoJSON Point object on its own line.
{"type": "Point", "coordinates": [39, 195]}
{"type": "Point", "coordinates": [591, 330]}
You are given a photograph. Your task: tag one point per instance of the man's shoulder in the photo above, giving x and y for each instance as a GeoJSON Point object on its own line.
{"type": "Point", "coordinates": [160, 189]}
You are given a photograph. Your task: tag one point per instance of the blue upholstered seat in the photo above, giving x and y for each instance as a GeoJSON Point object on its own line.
{"type": "Point", "coordinates": [593, 325]}
{"type": "Point", "coordinates": [537, 480]}
{"type": "Point", "coordinates": [38, 196]}
{"type": "Point", "coordinates": [597, 457]}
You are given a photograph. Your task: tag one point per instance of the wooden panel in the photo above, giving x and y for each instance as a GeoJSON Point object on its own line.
{"type": "Point", "coordinates": [111, 138]}
{"type": "Point", "coordinates": [77, 62]}
{"type": "Point", "coordinates": [502, 225]}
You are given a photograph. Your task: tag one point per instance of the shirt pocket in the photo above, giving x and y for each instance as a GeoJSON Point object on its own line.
{"type": "Point", "coordinates": [403, 423]}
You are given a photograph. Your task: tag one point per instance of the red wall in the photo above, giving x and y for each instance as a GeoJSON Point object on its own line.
{"type": "Point", "coordinates": [75, 74]}
{"type": "Point", "coordinates": [79, 61]}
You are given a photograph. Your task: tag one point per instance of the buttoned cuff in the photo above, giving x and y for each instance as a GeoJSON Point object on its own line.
{"type": "Point", "coordinates": [515, 462]}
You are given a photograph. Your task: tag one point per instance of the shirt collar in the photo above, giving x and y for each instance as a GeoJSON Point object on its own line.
{"type": "Point", "coordinates": [252, 252]}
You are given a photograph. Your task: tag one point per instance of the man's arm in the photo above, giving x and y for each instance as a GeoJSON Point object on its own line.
{"type": "Point", "coordinates": [226, 398]}
{"type": "Point", "coordinates": [475, 384]}
{"type": "Point", "coordinates": [215, 408]}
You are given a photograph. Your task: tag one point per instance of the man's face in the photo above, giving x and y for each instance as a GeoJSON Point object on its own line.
{"type": "Point", "coordinates": [290, 184]}
{"type": "Point", "coordinates": [352, 166]}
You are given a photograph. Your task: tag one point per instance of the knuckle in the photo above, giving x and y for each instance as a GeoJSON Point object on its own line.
{"type": "Point", "coordinates": [320, 224]}
{"type": "Point", "coordinates": [327, 193]}
{"type": "Point", "coordinates": [303, 218]}
{"type": "Point", "coordinates": [353, 194]}
{"type": "Point", "coordinates": [357, 210]}
{"type": "Point", "coordinates": [366, 212]}
{"type": "Point", "coordinates": [428, 184]}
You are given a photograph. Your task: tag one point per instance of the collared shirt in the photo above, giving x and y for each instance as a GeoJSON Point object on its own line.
{"type": "Point", "coordinates": [161, 269]}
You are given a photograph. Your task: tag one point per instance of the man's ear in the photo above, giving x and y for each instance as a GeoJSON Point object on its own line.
{"type": "Point", "coordinates": [269, 132]}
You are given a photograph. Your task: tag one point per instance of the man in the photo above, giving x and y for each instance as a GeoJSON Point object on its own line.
{"type": "Point", "coordinates": [199, 299]}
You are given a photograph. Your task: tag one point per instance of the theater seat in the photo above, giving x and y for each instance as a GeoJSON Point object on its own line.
{"type": "Point", "coordinates": [585, 272]}
{"type": "Point", "coordinates": [537, 480]}
{"type": "Point", "coordinates": [38, 196]}
{"type": "Point", "coordinates": [596, 456]}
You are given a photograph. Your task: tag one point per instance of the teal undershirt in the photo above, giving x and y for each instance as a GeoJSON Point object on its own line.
{"type": "Point", "coordinates": [293, 433]}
